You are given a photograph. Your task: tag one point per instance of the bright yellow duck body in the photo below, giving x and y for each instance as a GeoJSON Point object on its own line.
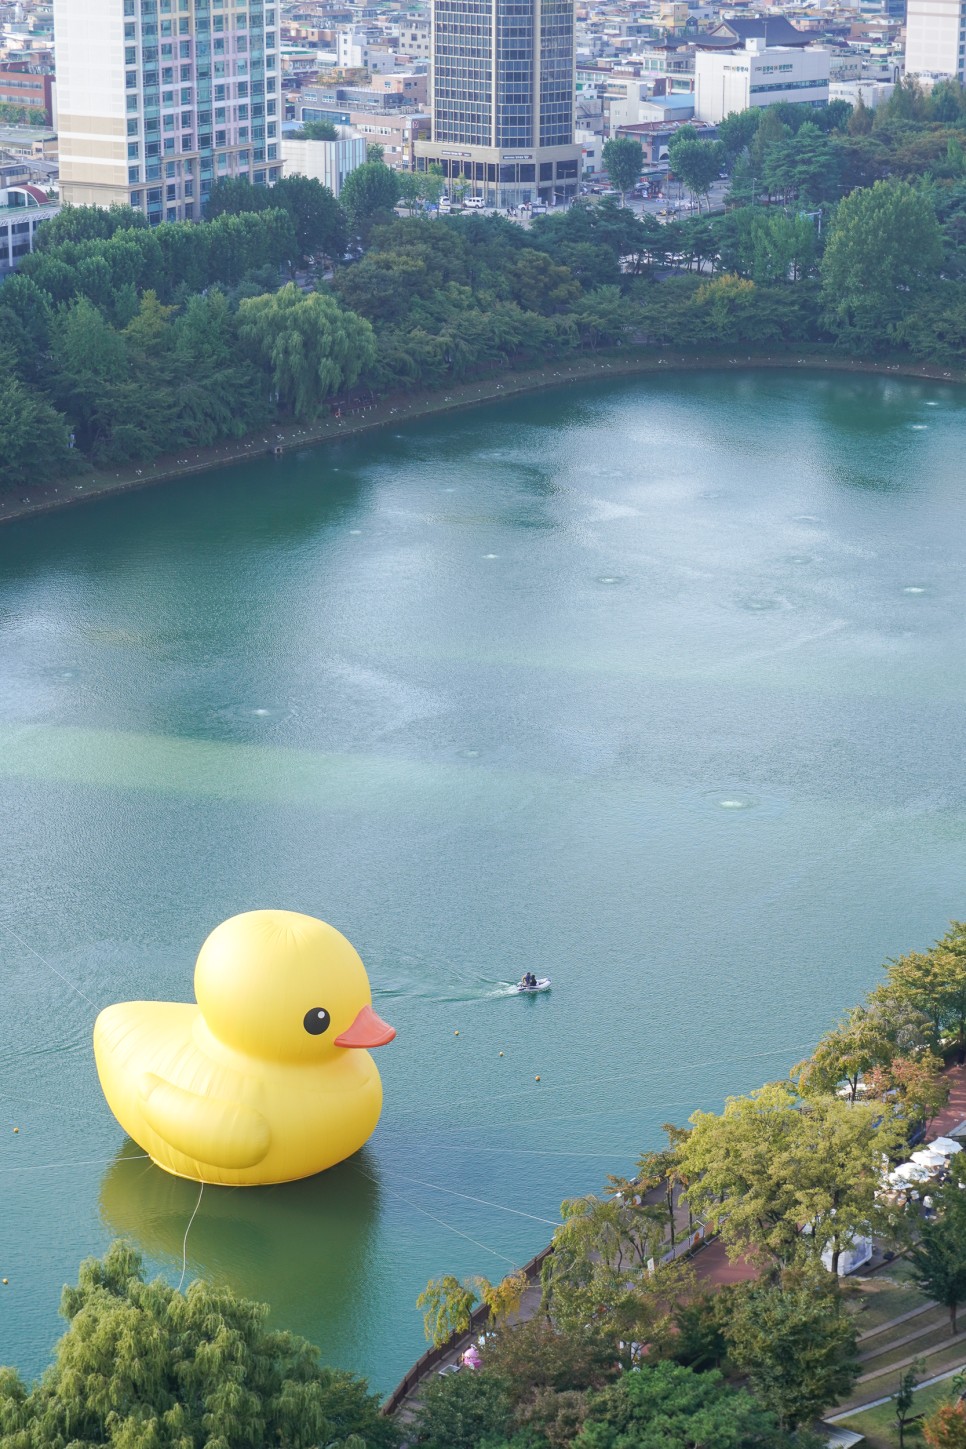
{"type": "Point", "coordinates": [267, 1078]}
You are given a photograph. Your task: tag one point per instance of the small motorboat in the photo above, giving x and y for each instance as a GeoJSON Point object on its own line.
{"type": "Point", "coordinates": [543, 984]}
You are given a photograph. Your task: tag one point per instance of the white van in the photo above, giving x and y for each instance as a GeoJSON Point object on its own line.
{"type": "Point", "coordinates": [474, 203]}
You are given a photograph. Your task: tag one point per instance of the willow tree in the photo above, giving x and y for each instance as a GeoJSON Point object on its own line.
{"type": "Point", "coordinates": [447, 1306]}
{"type": "Point", "coordinates": [310, 347]}
{"type": "Point", "coordinates": [143, 1366]}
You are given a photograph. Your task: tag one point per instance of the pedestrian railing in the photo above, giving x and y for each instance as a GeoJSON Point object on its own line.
{"type": "Point", "coordinates": [435, 1356]}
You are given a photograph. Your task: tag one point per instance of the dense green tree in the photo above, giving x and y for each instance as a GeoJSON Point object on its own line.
{"type": "Point", "coordinates": [310, 347]}
{"type": "Point", "coordinates": [91, 370]}
{"type": "Point", "coordinates": [936, 330]}
{"type": "Point", "coordinates": [368, 192]}
{"type": "Point", "coordinates": [935, 984]}
{"type": "Point", "coordinates": [464, 1411]}
{"type": "Point", "coordinates": [410, 191]}
{"type": "Point", "coordinates": [767, 246]}
{"type": "Point", "coordinates": [87, 223]}
{"type": "Point", "coordinates": [316, 131]}
{"type": "Point", "coordinates": [772, 131]}
{"type": "Point", "coordinates": [861, 119]}
{"type": "Point", "coordinates": [772, 1162]}
{"type": "Point", "coordinates": [602, 316]}
{"type": "Point", "coordinates": [667, 1406]}
{"type": "Point", "coordinates": [143, 1366]}
{"type": "Point", "coordinates": [804, 165]}
{"type": "Point", "coordinates": [601, 1252]}
{"type": "Point", "coordinates": [696, 162]}
{"type": "Point", "coordinates": [623, 159]}
{"type": "Point", "coordinates": [384, 284]}
{"type": "Point", "coordinates": [870, 1036]}
{"type": "Point", "coordinates": [884, 250]}
{"type": "Point", "coordinates": [737, 130]}
{"type": "Point", "coordinates": [906, 103]}
{"type": "Point", "coordinates": [14, 115]}
{"type": "Point", "coordinates": [939, 1257]}
{"type": "Point", "coordinates": [25, 318]}
{"type": "Point", "coordinates": [539, 284]}
{"type": "Point", "coordinates": [536, 1354]}
{"type": "Point", "coordinates": [33, 437]}
{"type": "Point", "coordinates": [947, 101]}
{"type": "Point", "coordinates": [796, 1344]}
{"type": "Point", "coordinates": [231, 195]}
{"type": "Point", "coordinates": [319, 220]}
{"type": "Point", "coordinates": [219, 392]}
{"type": "Point", "coordinates": [375, 152]}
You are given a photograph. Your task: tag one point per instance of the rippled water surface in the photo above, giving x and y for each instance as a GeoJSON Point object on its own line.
{"type": "Point", "coordinates": [655, 687]}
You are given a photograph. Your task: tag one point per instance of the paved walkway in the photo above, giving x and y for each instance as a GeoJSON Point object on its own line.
{"type": "Point", "coordinates": [715, 1269]}
{"type": "Point", "coordinates": [955, 1114]}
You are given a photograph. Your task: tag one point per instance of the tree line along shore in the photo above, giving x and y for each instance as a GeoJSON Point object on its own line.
{"type": "Point", "coordinates": [627, 1348]}
{"type": "Point", "coordinates": [123, 344]}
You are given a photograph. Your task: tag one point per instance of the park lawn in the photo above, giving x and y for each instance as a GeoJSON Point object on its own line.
{"type": "Point", "coordinates": [879, 1425]}
{"type": "Point", "coordinates": [930, 1346]}
{"type": "Point", "coordinates": [890, 1293]}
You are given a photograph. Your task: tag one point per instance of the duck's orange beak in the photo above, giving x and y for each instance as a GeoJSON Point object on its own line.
{"type": "Point", "coordinates": [368, 1030]}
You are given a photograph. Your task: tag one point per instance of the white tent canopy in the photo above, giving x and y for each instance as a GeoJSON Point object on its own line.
{"type": "Point", "coordinates": [910, 1172]}
{"type": "Point", "coordinates": [946, 1145]}
{"type": "Point", "coordinates": [929, 1157]}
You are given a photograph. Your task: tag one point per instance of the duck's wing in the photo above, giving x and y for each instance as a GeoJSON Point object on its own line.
{"type": "Point", "coordinates": [222, 1133]}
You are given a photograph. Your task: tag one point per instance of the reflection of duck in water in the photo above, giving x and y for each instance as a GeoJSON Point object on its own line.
{"type": "Point", "coordinates": [255, 1084]}
{"type": "Point", "coordinates": [266, 1245]}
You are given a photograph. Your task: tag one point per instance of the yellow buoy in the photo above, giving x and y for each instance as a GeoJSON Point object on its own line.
{"type": "Point", "coordinates": [456, 1033]}
{"type": "Point", "coordinates": [501, 1054]}
{"type": "Point", "coordinates": [16, 1129]}
{"type": "Point", "coordinates": [536, 1079]}
{"type": "Point", "coordinates": [6, 1280]}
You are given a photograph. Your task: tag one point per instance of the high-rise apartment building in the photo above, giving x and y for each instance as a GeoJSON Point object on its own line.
{"type": "Point", "coordinates": [936, 38]}
{"type": "Point", "coordinates": [160, 98]}
{"type": "Point", "coordinates": [502, 98]}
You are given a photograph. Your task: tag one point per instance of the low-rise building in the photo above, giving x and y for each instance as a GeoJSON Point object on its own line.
{"type": "Point", "coordinates": [327, 161]}
{"type": "Point", "coordinates": [873, 93]}
{"type": "Point", "coordinates": [758, 75]}
{"type": "Point", "coordinates": [656, 136]}
{"type": "Point", "coordinates": [31, 90]}
{"type": "Point", "coordinates": [22, 210]}
{"type": "Point", "coordinates": [35, 142]}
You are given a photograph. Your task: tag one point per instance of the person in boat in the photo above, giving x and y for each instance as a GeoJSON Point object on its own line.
{"type": "Point", "coordinates": [529, 980]}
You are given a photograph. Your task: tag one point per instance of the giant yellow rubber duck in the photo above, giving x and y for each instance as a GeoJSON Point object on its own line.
{"type": "Point", "coordinates": [267, 1079]}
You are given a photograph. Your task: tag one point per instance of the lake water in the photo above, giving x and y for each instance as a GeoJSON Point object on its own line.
{"type": "Point", "coordinates": [656, 686]}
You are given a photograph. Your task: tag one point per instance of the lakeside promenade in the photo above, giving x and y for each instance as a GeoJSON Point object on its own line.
{"type": "Point", "coordinates": [713, 1269]}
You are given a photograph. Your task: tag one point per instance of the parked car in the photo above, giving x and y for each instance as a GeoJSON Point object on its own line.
{"type": "Point", "coordinates": [474, 203]}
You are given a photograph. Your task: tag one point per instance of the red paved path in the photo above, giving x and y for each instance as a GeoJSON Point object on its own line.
{"type": "Point", "coordinates": [712, 1265]}
{"type": "Point", "coordinates": [955, 1113]}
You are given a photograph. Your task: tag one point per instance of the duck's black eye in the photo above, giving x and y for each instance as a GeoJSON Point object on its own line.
{"type": "Point", "coordinates": [316, 1021]}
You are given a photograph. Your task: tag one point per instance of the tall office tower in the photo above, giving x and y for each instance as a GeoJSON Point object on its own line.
{"type": "Point", "coordinates": [158, 99]}
{"type": "Point", "coordinates": [936, 38]}
{"type": "Point", "coordinates": [502, 99]}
